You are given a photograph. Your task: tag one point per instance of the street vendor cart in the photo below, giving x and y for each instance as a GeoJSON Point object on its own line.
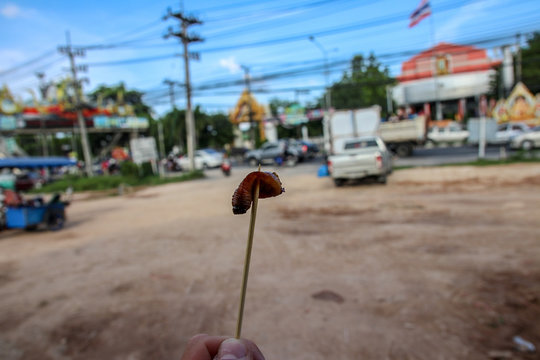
{"type": "Point", "coordinates": [30, 216]}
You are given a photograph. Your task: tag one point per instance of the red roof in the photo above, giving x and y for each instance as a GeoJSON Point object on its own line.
{"type": "Point", "coordinates": [459, 59]}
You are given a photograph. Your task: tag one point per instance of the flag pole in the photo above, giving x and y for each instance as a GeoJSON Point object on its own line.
{"type": "Point", "coordinates": [438, 109]}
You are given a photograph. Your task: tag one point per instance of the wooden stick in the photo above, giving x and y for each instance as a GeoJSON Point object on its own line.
{"type": "Point", "coordinates": [248, 258]}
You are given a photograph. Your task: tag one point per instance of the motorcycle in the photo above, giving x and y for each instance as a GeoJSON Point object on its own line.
{"type": "Point", "coordinates": [226, 167]}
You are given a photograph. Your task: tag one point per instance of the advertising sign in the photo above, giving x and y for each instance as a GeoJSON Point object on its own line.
{"type": "Point", "coordinates": [120, 122]}
{"type": "Point", "coordinates": [294, 115]}
{"type": "Point", "coordinates": [8, 122]}
{"type": "Point", "coordinates": [143, 149]}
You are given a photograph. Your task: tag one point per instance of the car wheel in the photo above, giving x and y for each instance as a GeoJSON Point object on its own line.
{"type": "Point", "coordinates": [527, 145]}
{"type": "Point", "coordinates": [253, 162]}
{"type": "Point", "coordinates": [339, 182]}
{"type": "Point", "coordinates": [292, 160]}
{"type": "Point", "coordinates": [382, 179]}
{"type": "Point", "coordinates": [430, 144]}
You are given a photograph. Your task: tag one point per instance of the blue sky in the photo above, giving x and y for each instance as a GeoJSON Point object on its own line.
{"type": "Point", "coordinates": [271, 37]}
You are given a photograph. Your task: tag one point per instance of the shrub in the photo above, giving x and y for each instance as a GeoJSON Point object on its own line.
{"type": "Point", "coordinates": [129, 168]}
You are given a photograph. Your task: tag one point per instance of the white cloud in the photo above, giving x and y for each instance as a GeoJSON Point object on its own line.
{"type": "Point", "coordinates": [11, 11]}
{"type": "Point", "coordinates": [230, 64]}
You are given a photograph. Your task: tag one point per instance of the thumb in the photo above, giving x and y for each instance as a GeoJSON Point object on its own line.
{"type": "Point", "coordinates": [232, 349]}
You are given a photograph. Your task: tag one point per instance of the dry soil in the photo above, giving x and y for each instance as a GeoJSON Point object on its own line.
{"type": "Point", "coordinates": [440, 263]}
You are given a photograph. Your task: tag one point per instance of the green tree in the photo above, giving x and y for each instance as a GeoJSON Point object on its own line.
{"type": "Point", "coordinates": [363, 85]}
{"type": "Point", "coordinates": [212, 130]}
{"type": "Point", "coordinates": [130, 97]}
{"type": "Point", "coordinates": [530, 63]}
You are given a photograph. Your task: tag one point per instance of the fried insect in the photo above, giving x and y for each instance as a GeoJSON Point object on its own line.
{"type": "Point", "coordinates": [269, 186]}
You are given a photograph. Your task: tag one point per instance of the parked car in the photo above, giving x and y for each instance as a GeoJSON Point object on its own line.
{"type": "Point", "coordinates": [275, 153]}
{"type": "Point", "coordinates": [527, 140]}
{"type": "Point", "coordinates": [361, 158]}
{"type": "Point", "coordinates": [204, 159]}
{"type": "Point", "coordinates": [29, 181]}
{"type": "Point", "coordinates": [506, 132]}
{"type": "Point", "coordinates": [451, 134]}
{"type": "Point", "coordinates": [306, 149]}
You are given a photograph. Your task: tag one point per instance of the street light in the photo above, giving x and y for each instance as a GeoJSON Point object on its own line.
{"type": "Point", "coordinates": [328, 98]}
{"type": "Point", "coordinates": [326, 71]}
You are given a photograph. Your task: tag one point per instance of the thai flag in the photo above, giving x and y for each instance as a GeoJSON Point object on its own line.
{"type": "Point", "coordinates": [422, 11]}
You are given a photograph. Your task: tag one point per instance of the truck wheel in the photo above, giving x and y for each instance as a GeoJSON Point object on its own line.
{"type": "Point", "coordinates": [404, 150]}
{"type": "Point", "coordinates": [382, 179]}
{"type": "Point", "coordinates": [527, 145]}
{"type": "Point", "coordinates": [339, 182]}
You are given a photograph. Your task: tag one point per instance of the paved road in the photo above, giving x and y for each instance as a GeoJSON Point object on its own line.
{"type": "Point", "coordinates": [447, 155]}
{"type": "Point", "coordinates": [420, 157]}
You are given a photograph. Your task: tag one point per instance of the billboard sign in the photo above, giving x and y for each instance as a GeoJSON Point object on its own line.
{"type": "Point", "coordinates": [143, 149]}
{"type": "Point", "coordinates": [120, 122]}
{"type": "Point", "coordinates": [8, 122]}
{"type": "Point", "coordinates": [294, 115]}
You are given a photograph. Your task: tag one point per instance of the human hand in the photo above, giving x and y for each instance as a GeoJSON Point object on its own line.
{"type": "Point", "coordinates": [206, 347]}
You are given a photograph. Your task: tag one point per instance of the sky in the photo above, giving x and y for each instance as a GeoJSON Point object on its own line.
{"type": "Point", "coordinates": [271, 38]}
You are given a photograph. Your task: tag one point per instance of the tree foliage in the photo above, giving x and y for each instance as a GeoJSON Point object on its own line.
{"type": "Point", "coordinates": [212, 130]}
{"type": "Point", "coordinates": [530, 60]}
{"type": "Point", "coordinates": [362, 86]}
{"type": "Point", "coordinates": [130, 97]}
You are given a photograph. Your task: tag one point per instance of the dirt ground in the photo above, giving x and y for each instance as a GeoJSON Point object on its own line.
{"type": "Point", "coordinates": [440, 263]}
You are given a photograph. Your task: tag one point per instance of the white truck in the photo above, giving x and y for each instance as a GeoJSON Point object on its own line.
{"type": "Point", "coordinates": [361, 157]}
{"type": "Point", "coordinates": [400, 137]}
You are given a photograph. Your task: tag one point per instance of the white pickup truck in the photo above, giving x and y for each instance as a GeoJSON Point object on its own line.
{"type": "Point", "coordinates": [361, 157]}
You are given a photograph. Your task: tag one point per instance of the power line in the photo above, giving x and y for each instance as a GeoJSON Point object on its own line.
{"type": "Point", "coordinates": [398, 17]}
{"type": "Point", "coordinates": [134, 60]}
{"type": "Point", "coordinates": [297, 72]}
{"type": "Point", "coordinates": [27, 73]}
{"type": "Point", "coordinates": [28, 63]}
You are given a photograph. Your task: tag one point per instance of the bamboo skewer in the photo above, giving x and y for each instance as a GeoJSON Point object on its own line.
{"type": "Point", "coordinates": [248, 258]}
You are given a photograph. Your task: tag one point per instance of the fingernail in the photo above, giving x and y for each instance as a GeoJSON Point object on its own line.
{"type": "Point", "coordinates": [232, 349]}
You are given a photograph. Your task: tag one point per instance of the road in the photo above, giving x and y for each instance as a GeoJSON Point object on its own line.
{"type": "Point", "coordinates": [420, 157]}
{"type": "Point", "coordinates": [448, 155]}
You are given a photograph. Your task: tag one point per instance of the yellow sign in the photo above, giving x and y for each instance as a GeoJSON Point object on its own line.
{"type": "Point", "coordinates": [521, 106]}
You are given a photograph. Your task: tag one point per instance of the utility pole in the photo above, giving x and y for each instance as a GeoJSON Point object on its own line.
{"type": "Point", "coordinates": [247, 79]}
{"type": "Point", "coordinates": [328, 98]}
{"type": "Point", "coordinates": [185, 22]}
{"type": "Point", "coordinates": [71, 53]}
{"type": "Point", "coordinates": [43, 87]}
{"type": "Point", "coordinates": [518, 58]}
{"type": "Point", "coordinates": [171, 84]}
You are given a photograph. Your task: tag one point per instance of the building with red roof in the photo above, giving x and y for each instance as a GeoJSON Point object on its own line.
{"type": "Point", "coordinates": [447, 74]}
